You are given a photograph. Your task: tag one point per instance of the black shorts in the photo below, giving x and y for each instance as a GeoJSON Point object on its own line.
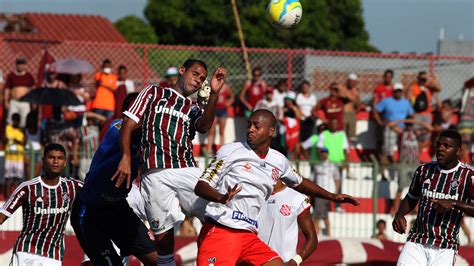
{"type": "Point", "coordinates": [97, 227]}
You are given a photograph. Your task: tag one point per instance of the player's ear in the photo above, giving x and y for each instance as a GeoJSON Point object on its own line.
{"type": "Point", "coordinates": [181, 70]}
{"type": "Point", "coordinates": [271, 131]}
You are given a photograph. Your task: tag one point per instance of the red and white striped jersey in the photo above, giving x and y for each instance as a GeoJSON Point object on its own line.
{"type": "Point", "coordinates": [45, 213]}
{"type": "Point", "coordinates": [168, 127]}
{"type": "Point", "coordinates": [432, 182]}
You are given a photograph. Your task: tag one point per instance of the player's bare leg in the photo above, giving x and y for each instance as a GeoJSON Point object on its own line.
{"type": "Point", "coordinates": [164, 243]}
{"type": "Point", "coordinates": [150, 259]}
{"type": "Point", "coordinates": [328, 226]}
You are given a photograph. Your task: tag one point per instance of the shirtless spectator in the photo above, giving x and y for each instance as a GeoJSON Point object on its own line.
{"type": "Point", "coordinates": [350, 96]}
{"type": "Point", "coordinates": [252, 91]}
{"type": "Point", "coordinates": [384, 89]}
{"type": "Point", "coordinates": [17, 84]}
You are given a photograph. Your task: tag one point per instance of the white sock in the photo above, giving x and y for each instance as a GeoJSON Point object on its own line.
{"type": "Point", "coordinates": [166, 260]}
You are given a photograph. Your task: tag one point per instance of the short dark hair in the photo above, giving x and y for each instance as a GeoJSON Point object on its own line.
{"type": "Point", "coordinates": [257, 68]}
{"type": "Point", "coordinates": [16, 117]}
{"type": "Point", "coordinates": [381, 221]}
{"type": "Point", "coordinates": [122, 67]}
{"type": "Point", "coordinates": [421, 73]}
{"type": "Point", "coordinates": [281, 82]}
{"type": "Point", "coordinates": [388, 71]}
{"type": "Point", "coordinates": [106, 61]}
{"type": "Point", "coordinates": [452, 134]}
{"type": "Point", "coordinates": [305, 82]}
{"type": "Point", "coordinates": [448, 102]}
{"type": "Point", "coordinates": [54, 147]}
{"type": "Point", "coordinates": [128, 100]}
{"type": "Point", "coordinates": [191, 62]}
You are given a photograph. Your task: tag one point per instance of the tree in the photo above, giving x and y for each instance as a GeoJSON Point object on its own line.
{"type": "Point", "coordinates": [135, 30]}
{"type": "Point", "coordinates": [326, 24]}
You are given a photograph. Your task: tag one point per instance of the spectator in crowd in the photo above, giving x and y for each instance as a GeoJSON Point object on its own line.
{"type": "Point", "coordinates": [384, 89]}
{"type": "Point", "coordinates": [331, 107]}
{"type": "Point", "coordinates": [327, 176]}
{"type": "Point", "coordinates": [309, 146]}
{"type": "Point", "coordinates": [14, 142]}
{"type": "Point", "coordinates": [106, 85]}
{"type": "Point", "coordinates": [466, 120]}
{"type": "Point", "coordinates": [33, 145]}
{"type": "Point", "coordinates": [280, 92]}
{"type": "Point", "coordinates": [306, 101]}
{"type": "Point", "coordinates": [391, 109]}
{"type": "Point", "coordinates": [421, 95]}
{"type": "Point", "coordinates": [252, 91]}
{"type": "Point", "coordinates": [291, 122]}
{"type": "Point", "coordinates": [269, 103]}
{"type": "Point", "coordinates": [17, 84]}
{"type": "Point", "coordinates": [82, 93]}
{"type": "Point", "coordinates": [125, 86]}
{"type": "Point", "coordinates": [445, 115]}
{"type": "Point", "coordinates": [89, 141]}
{"type": "Point", "coordinates": [171, 76]}
{"type": "Point", "coordinates": [335, 141]}
{"type": "Point", "coordinates": [51, 81]}
{"type": "Point", "coordinates": [225, 100]}
{"type": "Point", "coordinates": [381, 226]}
{"type": "Point", "coordinates": [350, 95]}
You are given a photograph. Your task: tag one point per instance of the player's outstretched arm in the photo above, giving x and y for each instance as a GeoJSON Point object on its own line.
{"type": "Point", "coordinates": [305, 223]}
{"type": "Point", "coordinates": [205, 191]}
{"type": "Point", "coordinates": [444, 205]}
{"type": "Point", "coordinates": [217, 82]}
{"type": "Point", "coordinates": [311, 189]}
{"type": "Point", "coordinates": [123, 172]}
{"type": "Point", "coordinates": [399, 223]}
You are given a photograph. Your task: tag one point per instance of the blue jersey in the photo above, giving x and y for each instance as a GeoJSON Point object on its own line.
{"type": "Point", "coordinates": [98, 189]}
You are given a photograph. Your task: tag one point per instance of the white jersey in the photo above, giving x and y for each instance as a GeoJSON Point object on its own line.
{"type": "Point", "coordinates": [278, 221]}
{"type": "Point", "coordinates": [237, 163]}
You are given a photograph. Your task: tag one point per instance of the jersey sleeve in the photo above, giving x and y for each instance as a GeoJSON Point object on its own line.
{"type": "Point", "coordinates": [305, 205]}
{"type": "Point", "coordinates": [142, 103]}
{"type": "Point", "coordinates": [217, 167]}
{"type": "Point", "coordinates": [17, 199]}
{"type": "Point", "coordinates": [290, 176]}
{"type": "Point", "coordinates": [471, 188]}
{"type": "Point", "coordinates": [414, 191]}
{"type": "Point", "coordinates": [196, 114]}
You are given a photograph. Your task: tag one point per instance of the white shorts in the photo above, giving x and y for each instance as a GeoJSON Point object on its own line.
{"type": "Point", "coordinates": [24, 258]}
{"type": "Point", "coordinates": [169, 195]}
{"type": "Point", "coordinates": [14, 169]}
{"type": "Point", "coordinates": [422, 254]}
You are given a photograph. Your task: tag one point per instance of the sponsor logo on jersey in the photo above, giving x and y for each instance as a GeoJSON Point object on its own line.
{"type": "Point", "coordinates": [248, 167]}
{"type": "Point", "coordinates": [236, 215]}
{"type": "Point", "coordinates": [213, 172]}
{"type": "Point", "coordinates": [438, 195]}
{"type": "Point", "coordinates": [272, 201]}
{"type": "Point", "coordinates": [212, 260]}
{"type": "Point", "coordinates": [160, 109]}
{"type": "Point", "coordinates": [39, 210]}
{"type": "Point", "coordinates": [285, 210]}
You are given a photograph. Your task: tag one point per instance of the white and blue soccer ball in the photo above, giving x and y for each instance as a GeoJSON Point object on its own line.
{"type": "Point", "coordinates": [284, 13]}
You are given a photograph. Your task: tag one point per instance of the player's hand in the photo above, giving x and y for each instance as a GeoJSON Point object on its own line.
{"type": "Point", "coordinates": [218, 79]}
{"type": "Point", "coordinates": [399, 224]}
{"type": "Point", "coordinates": [442, 205]}
{"type": "Point", "coordinates": [231, 192]}
{"type": "Point", "coordinates": [343, 198]}
{"type": "Point", "coordinates": [123, 172]}
{"type": "Point", "coordinates": [291, 263]}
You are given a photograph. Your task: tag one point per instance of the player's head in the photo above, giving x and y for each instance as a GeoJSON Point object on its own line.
{"type": "Point", "coordinates": [381, 224]}
{"type": "Point", "coordinates": [422, 77]}
{"type": "Point", "coordinates": [333, 124]}
{"type": "Point", "coordinates": [260, 128]}
{"type": "Point", "coordinates": [54, 160]}
{"type": "Point", "coordinates": [128, 100]}
{"type": "Point", "coordinates": [16, 119]}
{"type": "Point", "coordinates": [388, 76]}
{"type": "Point", "coordinates": [191, 76]}
{"type": "Point", "coordinates": [448, 148]}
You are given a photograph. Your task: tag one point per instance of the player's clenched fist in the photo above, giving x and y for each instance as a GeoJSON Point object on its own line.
{"type": "Point", "coordinates": [218, 79]}
{"type": "Point", "coordinates": [399, 224]}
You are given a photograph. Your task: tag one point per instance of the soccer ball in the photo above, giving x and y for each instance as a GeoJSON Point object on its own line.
{"type": "Point", "coordinates": [284, 13]}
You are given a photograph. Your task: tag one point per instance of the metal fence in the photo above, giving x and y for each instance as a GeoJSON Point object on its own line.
{"type": "Point", "coordinates": [148, 63]}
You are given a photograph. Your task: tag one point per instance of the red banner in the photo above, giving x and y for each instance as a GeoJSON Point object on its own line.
{"type": "Point", "coordinates": [329, 251]}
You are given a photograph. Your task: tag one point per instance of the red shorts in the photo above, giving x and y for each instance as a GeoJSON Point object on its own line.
{"type": "Point", "coordinates": [219, 245]}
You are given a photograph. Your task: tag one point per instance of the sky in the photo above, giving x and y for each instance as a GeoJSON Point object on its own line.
{"type": "Point", "coordinates": [393, 25]}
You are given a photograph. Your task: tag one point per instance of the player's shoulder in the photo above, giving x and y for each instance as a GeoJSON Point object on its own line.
{"type": "Point", "coordinates": [29, 183]}
{"type": "Point", "coordinates": [428, 165]}
{"type": "Point", "coordinates": [233, 148]}
{"type": "Point", "coordinates": [294, 195]}
{"type": "Point", "coordinates": [467, 167]}
{"type": "Point", "coordinates": [73, 181]}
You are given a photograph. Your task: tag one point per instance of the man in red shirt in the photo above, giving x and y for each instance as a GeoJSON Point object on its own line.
{"type": "Point", "coordinates": [331, 106]}
{"type": "Point", "coordinates": [18, 83]}
{"type": "Point", "coordinates": [253, 91]}
{"type": "Point", "coordinates": [384, 89]}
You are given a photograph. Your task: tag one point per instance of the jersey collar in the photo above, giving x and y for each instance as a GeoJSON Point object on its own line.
{"type": "Point", "coordinates": [454, 169]}
{"type": "Point", "coordinates": [48, 186]}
